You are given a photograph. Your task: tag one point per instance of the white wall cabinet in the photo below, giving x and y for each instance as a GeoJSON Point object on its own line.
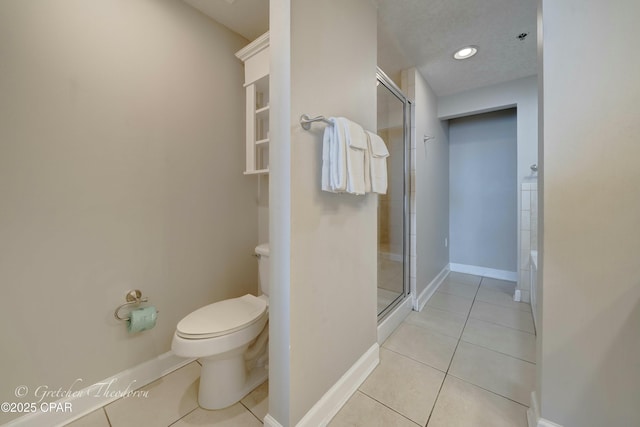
{"type": "Point", "coordinates": [256, 82]}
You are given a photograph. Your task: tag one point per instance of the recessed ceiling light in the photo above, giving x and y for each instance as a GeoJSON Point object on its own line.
{"type": "Point", "coordinates": [466, 52]}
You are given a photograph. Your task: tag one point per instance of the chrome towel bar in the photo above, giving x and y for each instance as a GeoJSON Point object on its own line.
{"type": "Point", "coordinates": [306, 120]}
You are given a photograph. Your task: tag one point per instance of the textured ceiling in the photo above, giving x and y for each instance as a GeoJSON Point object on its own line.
{"type": "Point", "coordinates": [426, 33]}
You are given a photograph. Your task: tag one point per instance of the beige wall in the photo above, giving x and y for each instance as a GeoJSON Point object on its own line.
{"type": "Point", "coordinates": [430, 212]}
{"type": "Point", "coordinates": [279, 210]}
{"type": "Point", "coordinates": [263, 208]}
{"type": "Point", "coordinates": [590, 345]}
{"type": "Point", "coordinates": [121, 158]}
{"type": "Point", "coordinates": [333, 236]}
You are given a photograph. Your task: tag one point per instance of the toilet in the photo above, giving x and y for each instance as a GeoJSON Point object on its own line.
{"type": "Point", "coordinates": [230, 339]}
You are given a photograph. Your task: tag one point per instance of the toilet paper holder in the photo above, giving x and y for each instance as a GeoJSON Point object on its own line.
{"type": "Point", "coordinates": [133, 298]}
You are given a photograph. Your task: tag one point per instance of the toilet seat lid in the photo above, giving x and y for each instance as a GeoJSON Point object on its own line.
{"type": "Point", "coordinates": [222, 318]}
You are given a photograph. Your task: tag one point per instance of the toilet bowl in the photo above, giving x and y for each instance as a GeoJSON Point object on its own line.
{"type": "Point", "coordinates": [230, 338]}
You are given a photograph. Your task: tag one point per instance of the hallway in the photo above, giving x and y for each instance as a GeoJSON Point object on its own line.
{"type": "Point", "coordinates": [466, 359]}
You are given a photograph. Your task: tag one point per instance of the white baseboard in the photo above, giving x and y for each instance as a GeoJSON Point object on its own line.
{"type": "Point", "coordinates": [86, 400]}
{"type": "Point", "coordinates": [485, 271]}
{"type": "Point", "coordinates": [328, 406]}
{"type": "Point", "coordinates": [546, 423]}
{"type": "Point", "coordinates": [269, 421]}
{"type": "Point", "coordinates": [421, 300]}
{"type": "Point", "coordinates": [394, 319]}
{"type": "Point", "coordinates": [533, 415]}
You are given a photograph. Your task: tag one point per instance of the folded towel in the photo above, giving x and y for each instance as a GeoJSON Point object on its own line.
{"type": "Point", "coordinates": [344, 147]}
{"type": "Point", "coordinates": [338, 156]}
{"type": "Point", "coordinates": [327, 150]}
{"type": "Point", "coordinates": [355, 153]}
{"type": "Point", "coordinates": [377, 163]}
{"type": "Point", "coordinates": [367, 168]}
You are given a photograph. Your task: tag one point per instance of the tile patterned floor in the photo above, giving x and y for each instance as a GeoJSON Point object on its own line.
{"type": "Point", "coordinates": [467, 359]}
{"type": "Point", "coordinates": [173, 401]}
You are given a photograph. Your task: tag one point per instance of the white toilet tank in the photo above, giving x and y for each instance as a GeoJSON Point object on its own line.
{"type": "Point", "coordinates": [262, 251]}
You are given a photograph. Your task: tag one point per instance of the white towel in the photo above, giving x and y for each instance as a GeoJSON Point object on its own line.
{"type": "Point", "coordinates": [356, 153]}
{"type": "Point", "coordinates": [327, 150]}
{"type": "Point", "coordinates": [338, 156]}
{"type": "Point", "coordinates": [344, 147]}
{"type": "Point", "coordinates": [367, 168]}
{"type": "Point", "coordinates": [377, 164]}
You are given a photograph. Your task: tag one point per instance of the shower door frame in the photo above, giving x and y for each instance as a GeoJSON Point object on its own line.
{"type": "Point", "coordinates": [407, 106]}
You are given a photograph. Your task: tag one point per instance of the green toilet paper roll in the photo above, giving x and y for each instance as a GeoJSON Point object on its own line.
{"type": "Point", "coordinates": [142, 319]}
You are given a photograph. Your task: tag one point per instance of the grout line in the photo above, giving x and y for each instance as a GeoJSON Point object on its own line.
{"type": "Point", "coordinates": [447, 280]}
{"type": "Point", "coordinates": [496, 351]}
{"type": "Point", "coordinates": [416, 360]}
{"type": "Point", "coordinates": [389, 407]}
{"type": "Point", "coordinates": [438, 291]}
{"type": "Point", "coordinates": [490, 391]}
{"type": "Point", "coordinates": [450, 293]}
{"type": "Point", "coordinates": [463, 328]}
{"type": "Point", "coordinates": [104, 409]}
{"type": "Point", "coordinates": [454, 353]}
{"type": "Point", "coordinates": [504, 326]}
{"type": "Point", "coordinates": [475, 385]}
{"type": "Point", "coordinates": [184, 416]}
{"type": "Point", "coordinates": [250, 411]}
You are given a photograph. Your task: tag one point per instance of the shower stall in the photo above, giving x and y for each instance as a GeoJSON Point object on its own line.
{"type": "Point", "coordinates": [394, 115]}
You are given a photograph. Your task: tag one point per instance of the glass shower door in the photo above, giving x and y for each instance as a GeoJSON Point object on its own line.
{"type": "Point", "coordinates": [393, 210]}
